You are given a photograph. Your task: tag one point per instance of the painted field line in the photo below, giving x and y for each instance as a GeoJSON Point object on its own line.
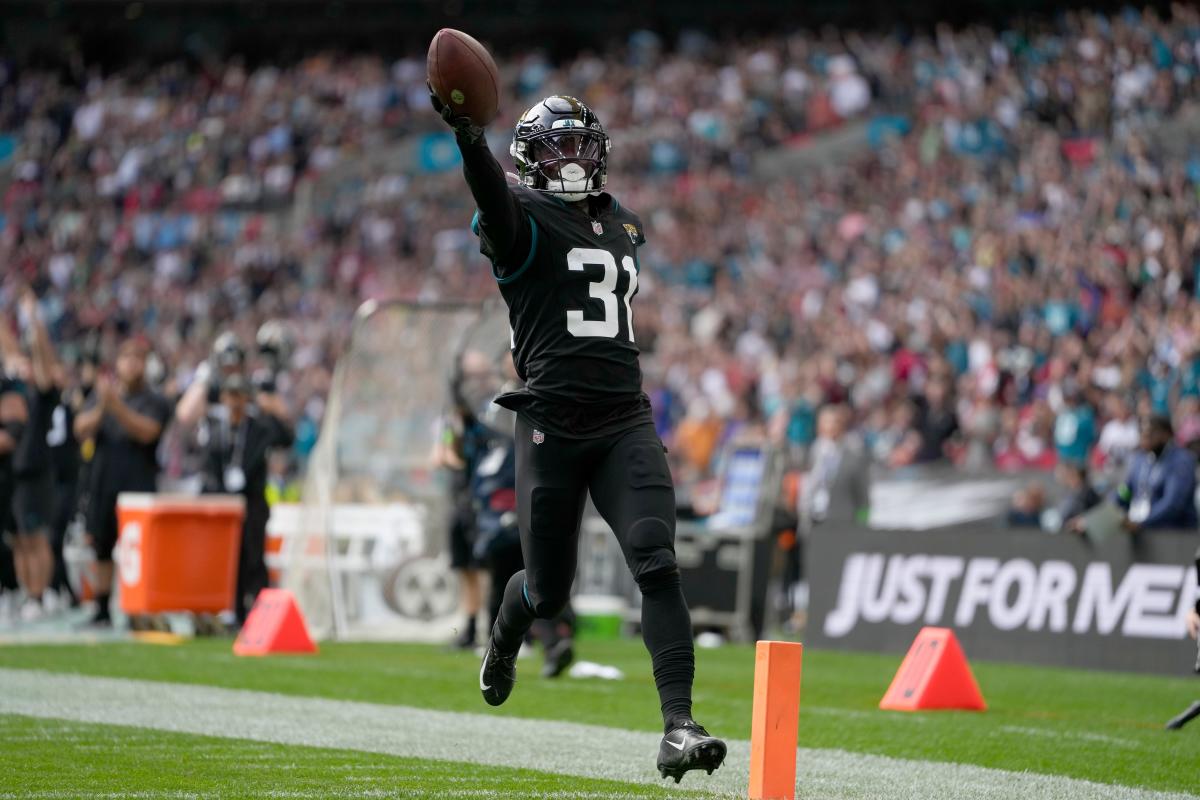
{"type": "Point", "coordinates": [547, 745]}
{"type": "Point", "coordinates": [1116, 741]}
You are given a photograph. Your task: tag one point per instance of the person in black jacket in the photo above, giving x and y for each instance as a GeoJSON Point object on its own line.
{"type": "Point", "coordinates": [237, 436]}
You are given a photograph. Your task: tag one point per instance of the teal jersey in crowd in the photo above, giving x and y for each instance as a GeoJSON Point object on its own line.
{"type": "Point", "coordinates": [1074, 433]}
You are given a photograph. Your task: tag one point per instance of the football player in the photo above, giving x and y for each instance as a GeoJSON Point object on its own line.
{"type": "Point", "coordinates": [564, 254]}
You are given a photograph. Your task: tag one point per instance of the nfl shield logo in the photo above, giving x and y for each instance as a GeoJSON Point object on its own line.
{"type": "Point", "coordinates": [538, 437]}
{"type": "Point", "coordinates": [596, 227]}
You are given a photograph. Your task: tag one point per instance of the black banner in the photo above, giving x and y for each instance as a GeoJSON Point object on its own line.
{"type": "Point", "coordinates": [1026, 597]}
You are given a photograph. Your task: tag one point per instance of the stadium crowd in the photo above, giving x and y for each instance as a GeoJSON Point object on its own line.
{"type": "Point", "coordinates": [1010, 282]}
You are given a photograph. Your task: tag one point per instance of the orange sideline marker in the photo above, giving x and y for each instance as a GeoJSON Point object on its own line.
{"type": "Point", "coordinates": [776, 722]}
{"type": "Point", "coordinates": [274, 625]}
{"type": "Point", "coordinates": [934, 674]}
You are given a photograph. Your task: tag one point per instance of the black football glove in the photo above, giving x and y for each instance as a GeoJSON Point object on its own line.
{"type": "Point", "coordinates": [466, 130]}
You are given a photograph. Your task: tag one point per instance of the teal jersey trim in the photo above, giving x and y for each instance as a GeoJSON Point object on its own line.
{"type": "Point", "coordinates": [528, 259]}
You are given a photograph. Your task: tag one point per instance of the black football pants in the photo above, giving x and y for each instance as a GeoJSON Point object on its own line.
{"type": "Point", "coordinates": [630, 484]}
{"type": "Point", "coordinates": [252, 576]}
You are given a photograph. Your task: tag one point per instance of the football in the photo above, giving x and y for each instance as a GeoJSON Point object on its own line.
{"type": "Point", "coordinates": [463, 74]}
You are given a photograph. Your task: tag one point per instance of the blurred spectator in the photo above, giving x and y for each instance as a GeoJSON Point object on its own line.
{"type": "Point", "coordinates": [980, 428]}
{"type": "Point", "coordinates": [900, 441]}
{"type": "Point", "coordinates": [125, 418]}
{"type": "Point", "coordinates": [66, 459]}
{"type": "Point", "coordinates": [33, 499]}
{"type": "Point", "coordinates": [1119, 437]}
{"type": "Point", "coordinates": [1074, 428]}
{"type": "Point", "coordinates": [280, 488]}
{"type": "Point", "coordinates": [1028, 504]}
{"type": "Point", "coordinates": [1076, 496]}
{"type": "Point", "coordinates": [464, 442]}
{"type": "Point", "coordinates": [838, 487]}
{"type": "Point", "coordinates": [1187, 432]}
{"type": "Point", "coordinates": [1160, 489]}
{"type": "Point", "coordinates": [13, 417]}
{"type": "Point", "coordinates": [697, 438]}
{"type": "Point", "coordinates": [938, 422]}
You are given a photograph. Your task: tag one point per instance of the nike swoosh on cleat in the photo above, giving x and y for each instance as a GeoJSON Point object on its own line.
{"type": "Point", "coordinates": [676, 746]}
{"type": "Point", "coordinates": [484, 687]}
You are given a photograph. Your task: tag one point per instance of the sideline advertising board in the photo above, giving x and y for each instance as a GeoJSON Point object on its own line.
{"type": "Point", "coordinates": [1021, 596]}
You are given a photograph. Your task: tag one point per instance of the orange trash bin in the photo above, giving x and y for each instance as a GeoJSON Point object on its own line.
{"type": "Point", "coordinates": [178, 552]}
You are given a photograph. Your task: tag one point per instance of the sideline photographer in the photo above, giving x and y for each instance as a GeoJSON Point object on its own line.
{"type": "Point", "coordinates": [229, 358]}
{"type": "Point", "coordinates": [237, 437]}
{"type": "Point", "coordinates": [238, 423]}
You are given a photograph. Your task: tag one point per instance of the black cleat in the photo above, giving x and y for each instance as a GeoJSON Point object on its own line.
{"type": "Point", "coordinates": [558, 657]}
{"type": "Point", "coordinates": [1187, 716]}
{"type": "Point", "coordinates": [497, 674]}
{"type": "Point", "coordinates": [688, 746]}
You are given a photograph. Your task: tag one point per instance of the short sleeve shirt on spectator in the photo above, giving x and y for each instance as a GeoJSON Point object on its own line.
{"type": "Point", "coordinates": [124, 464]}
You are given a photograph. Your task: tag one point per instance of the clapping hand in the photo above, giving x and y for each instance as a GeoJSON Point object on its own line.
{"type": "Point", "coordinates": [106, 391]}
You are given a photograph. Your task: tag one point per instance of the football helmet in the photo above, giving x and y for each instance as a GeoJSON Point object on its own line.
{"type": "Point", "coordinates": [560, 148]}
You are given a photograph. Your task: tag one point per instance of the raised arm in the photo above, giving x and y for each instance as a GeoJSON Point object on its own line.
{"type": "Point", "coordinates": [194, 403]}
{"type": "Point", "coordinates": [502, 225]}
{"type": "Point", "coordinates": [87, 422]}
{"type": "Point", "coordinates": [13, 416]}
{"type": "Point", "coordinates": [10, 348]}
{"type": "Point", "coordinates": [43, 355]}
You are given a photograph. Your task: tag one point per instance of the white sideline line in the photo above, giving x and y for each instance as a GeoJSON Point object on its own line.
{"type": "Point", "coordinates": [1083, 735]}
{"type": "Point", "coordinates": [546, 745]}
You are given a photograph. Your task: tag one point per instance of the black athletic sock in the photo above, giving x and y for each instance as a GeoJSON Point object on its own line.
{"type": "Point", "coordinates": [102, 612]}
{"type": "Point", "coordinates": [667, 631]}
{"type": "Point", "coordinates": [469, 628]}
{"type": "Point", "coordinates": [515, 617]}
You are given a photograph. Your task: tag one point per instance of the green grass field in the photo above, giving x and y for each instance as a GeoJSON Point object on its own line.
{"type": "Point", "coordinates": [1096, 726]}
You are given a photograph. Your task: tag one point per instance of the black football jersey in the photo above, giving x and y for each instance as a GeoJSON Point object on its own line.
{"type": "Point", "coordinates": [570, 306]}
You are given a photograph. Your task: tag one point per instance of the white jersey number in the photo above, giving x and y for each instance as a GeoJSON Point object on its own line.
{"type": "Point", "coordinates": [604, 290]}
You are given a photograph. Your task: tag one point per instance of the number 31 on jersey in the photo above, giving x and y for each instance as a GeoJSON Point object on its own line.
{"type": "Point", "coordinates": [604, 290]}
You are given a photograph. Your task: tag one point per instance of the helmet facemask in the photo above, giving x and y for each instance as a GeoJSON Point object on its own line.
{"type": "Point", "coordinates": [569, 159]}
